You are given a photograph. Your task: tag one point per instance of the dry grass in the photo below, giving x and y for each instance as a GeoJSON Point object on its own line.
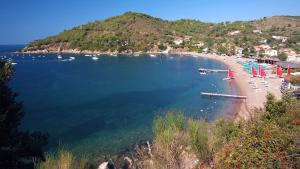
{"type": "Point", "coordinates": [64, 159]}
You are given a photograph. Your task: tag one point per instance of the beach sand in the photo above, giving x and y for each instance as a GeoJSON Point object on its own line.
{"type": "Point", "coordinates": [255, 97]}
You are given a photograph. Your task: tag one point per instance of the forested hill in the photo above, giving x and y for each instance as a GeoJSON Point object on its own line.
{"type": "Point", "coordinates": [137, 32]}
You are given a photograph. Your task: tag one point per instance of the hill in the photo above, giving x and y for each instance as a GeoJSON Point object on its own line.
{"type": "Point", "coordinates": [137, 32]}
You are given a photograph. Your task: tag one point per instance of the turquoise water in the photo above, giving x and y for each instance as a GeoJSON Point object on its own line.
{"type": "Point", "coordinates": [105, 106]}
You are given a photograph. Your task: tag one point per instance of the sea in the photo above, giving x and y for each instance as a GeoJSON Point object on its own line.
{"type": "Point", "coordinates": [105, 106]}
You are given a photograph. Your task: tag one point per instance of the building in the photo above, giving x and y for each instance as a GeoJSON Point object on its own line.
{"type": "Point", "coordinates": [205, 50]}
{"type": "Point", "coordinates": [234, 32]}
{"type": "Point", "coordinates": [178, 41]}
{"type": "Point", "coordinates": [285, 64]}
{"type": "Point", "coordinates": [257, 31]}
{"type": "Point", "coordinates": [280, 38]}
{"type": "Point", "coordinates": [271, 52]}
{"type": "Point", "coordinates": [292, 55]}
{"type": "Point", "coordinates": [267, 50]}
{"type": "Point", "coordinates": [293, 58]}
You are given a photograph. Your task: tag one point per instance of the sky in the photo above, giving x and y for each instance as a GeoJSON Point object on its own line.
{"type": "Point", "coordinates": [23, 21]}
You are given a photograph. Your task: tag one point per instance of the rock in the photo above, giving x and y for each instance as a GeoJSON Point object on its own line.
{"type": "Point", "coordinates": [103, 165]}
{"type": "Point", "coordinates": [188, 160]}
{"type": "Point", "coordinates": [107, 165]}
{"type": "Point", "coordinates": [111, 165]}
{"type": "Point", "coordinates": [127, 163]}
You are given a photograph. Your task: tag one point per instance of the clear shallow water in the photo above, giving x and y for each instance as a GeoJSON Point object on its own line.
{"type": "Point", "coordinates": [105, 106]}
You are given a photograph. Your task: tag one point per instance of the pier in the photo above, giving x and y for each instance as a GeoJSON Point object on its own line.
{"type": "Point", "coordinates": [223, 95]}
{"type": "Point", "coordinates": [212, 70]}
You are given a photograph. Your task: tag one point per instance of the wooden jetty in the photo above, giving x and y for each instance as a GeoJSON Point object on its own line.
{"type": "Point", "coordinates": [212, 70]}
{"type": "Point", "coordinates": [224, 95]}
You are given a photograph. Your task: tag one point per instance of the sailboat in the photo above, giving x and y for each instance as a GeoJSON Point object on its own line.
{"type": "Point", "coordinates": [288, 73]}
{"type": "Point", "coordinates": [261, 72]}
{"type": "Point", "coordinates": [229, 75]}
{"type": "Point", "coordinates": [279, 71]}
{"type": "Point", "coordinates": [254, 73]}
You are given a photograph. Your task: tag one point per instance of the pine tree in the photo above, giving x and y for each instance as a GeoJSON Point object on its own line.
{"type": "Point", "coordinates": [18, 149]}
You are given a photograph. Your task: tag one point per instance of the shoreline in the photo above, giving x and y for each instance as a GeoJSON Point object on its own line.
{"type": "Point", "coordinates": [255, 97]}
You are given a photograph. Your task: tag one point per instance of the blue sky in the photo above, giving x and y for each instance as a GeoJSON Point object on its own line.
{"type": "Point", "coordinates": [23, 21]}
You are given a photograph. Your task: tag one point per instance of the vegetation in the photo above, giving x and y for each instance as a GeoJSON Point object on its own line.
{"type": "Point", "coordinates": [136, 32]}
{"type": "Point", "coordinates": [269, 140]}
{"type": "Point", "coordinates": [18, 149]}
{"type": "Point", "coordinates": [64, 159]}
{"type": "Point", "coordinates": [282, 56]}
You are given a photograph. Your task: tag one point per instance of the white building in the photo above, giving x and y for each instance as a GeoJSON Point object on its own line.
{"type": "Point", "coordinates": [293, 58]}
{"type": "Point", "coordinates": [271, 52]}
{"type": "Point", "coordinates": [234, 33]}
{"type": "Point", "coordinates": [257, 31]}
{"type": "Point", "coordinates": [178, 41]}
{"type": "Point", "coordinates": [281, 38]}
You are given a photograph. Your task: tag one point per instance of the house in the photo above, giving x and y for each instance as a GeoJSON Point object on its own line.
{"type": "Point", "coordinates": [271, 52]}
{"type": "Point", "coordinates": [178, 41]}
{"type": "Point", "coordinates": [291, 54]}
{"type": "Point", "coordinates": [205, 50]}
{"type": "Point", "coordinates": [257, 31]}
{"type": "Point", "coordinates": [293, 58]}
{"type": "Point", "coordinates": [280, 38]}
{"type": "Point", "coordinates": [234, 32]}
{"type": "Point", "coordinates": [262, 47]}
{"type": "Point", "coordinates": [239, 50]}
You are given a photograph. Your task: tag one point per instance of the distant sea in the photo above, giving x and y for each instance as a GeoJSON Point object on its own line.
{"type": "Point", "coordinates": [106, 106]}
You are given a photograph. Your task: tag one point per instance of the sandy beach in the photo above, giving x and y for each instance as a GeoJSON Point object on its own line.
{"type": "Point", "coordinates": [255, 97]}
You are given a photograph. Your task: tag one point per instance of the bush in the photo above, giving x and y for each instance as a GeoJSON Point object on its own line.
{"type": "Point", "coordinates": [64, 159]}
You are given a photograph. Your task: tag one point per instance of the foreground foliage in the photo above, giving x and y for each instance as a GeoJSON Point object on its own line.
{"type": "Point", "coordinates": [18, 149]}
{"type": "Point", "coordinates": [270, 140]}
{"type": "Point", "coordinates": [64, 159]}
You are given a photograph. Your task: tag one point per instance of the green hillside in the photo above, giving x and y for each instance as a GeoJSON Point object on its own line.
{"type": "Point", "coordinates": [136, 32]}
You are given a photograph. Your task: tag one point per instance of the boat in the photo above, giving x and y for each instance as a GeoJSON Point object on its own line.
{"type": "Point", "coordinates": [87, 55]}
{"type": "Point", "coordinates": [59, 57]}
{"type": "Point", "coordinates": [152, 55]}
{"type": "Point", "coordinates": [229, 75]}
{"type": "Point", "coordinates": [13, 63]}
{"type": "Point", "coordinates": [261, 72]}
{"type": "Point", "coordinates": [254, 73]}
{"type": "Point", "coordinates": [279, 71]}
{"type": "Point", "coordinates": [202, 72]}
{"type": "Point", "coordinates": [95, 58]}
{"type": "Point", "coordinates": [288, 73]}
{"type": "Point", "coordinates": [72, 58]}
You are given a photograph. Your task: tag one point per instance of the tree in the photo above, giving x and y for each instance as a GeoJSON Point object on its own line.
{"type": "Point", "coordinates": [282, 56]}
{"type": "Point", "coordinates": [18, 148]}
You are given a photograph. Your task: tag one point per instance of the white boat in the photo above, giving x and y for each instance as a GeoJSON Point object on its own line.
{"type": "Point", "coordinates": [72, 58]}
{"type": "Point", "coordinates": [13, 63]}
{"type": "Point", "coordinates": [95, 58]}
{"type": "Point", "coordinates": [152, 55]}
{"type": "Point", "coordinates": [59, 57]}
{"type": "Point", "coordinates": [87, 55]}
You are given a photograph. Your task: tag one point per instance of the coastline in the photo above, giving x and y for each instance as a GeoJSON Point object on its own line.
{"type": "Point", "coordinates": [255, 97]}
